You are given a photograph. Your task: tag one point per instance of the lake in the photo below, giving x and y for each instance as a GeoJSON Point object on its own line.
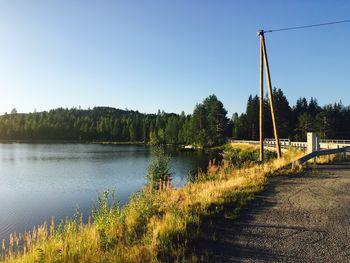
{"type": "Point", "coordinates": [38, 181]}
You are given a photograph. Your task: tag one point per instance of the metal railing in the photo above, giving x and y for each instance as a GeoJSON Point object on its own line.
{"type": "Point", "coordinates": [336, 141]}
{"type": "Point", "coordinates": [286, 143]}
{"type": "Point", "coordinates": [315, 154]}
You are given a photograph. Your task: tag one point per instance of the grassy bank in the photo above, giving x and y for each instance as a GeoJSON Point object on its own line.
{"type": "Point", "coordinates": [153, 226]}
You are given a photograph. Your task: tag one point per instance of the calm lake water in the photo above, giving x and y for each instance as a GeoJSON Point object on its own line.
{"type": "Point", "coordinates": [38, 181]}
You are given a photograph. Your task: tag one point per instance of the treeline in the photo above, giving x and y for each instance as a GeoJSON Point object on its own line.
{"type": "Point", "coordinates": [331, 121]}
{"type": "Point", "coordinates": [207, 126]}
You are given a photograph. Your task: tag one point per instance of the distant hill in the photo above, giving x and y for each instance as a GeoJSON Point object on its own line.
{"type": "Point", "coordinates": [110, 124]}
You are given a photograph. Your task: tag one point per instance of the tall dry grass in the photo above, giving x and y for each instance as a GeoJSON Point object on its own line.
{"type": "Point", "coordinates": [152, 227]}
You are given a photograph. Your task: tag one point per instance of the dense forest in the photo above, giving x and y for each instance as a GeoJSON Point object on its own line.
{"type": "Point", "coordinates": [331, 121]}
{"type": "Point", "coordinates": [208, 125]}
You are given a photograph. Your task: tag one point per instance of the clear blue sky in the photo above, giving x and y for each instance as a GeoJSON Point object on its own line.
{"type": "Point", "coordinates": [157, 54]}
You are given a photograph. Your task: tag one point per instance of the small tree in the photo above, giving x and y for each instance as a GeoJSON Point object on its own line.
{"type": "Point", "coordinates": [159, 168]}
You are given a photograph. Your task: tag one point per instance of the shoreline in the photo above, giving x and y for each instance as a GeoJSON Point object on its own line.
{"type": "Point", "coordinates": [178, 147]}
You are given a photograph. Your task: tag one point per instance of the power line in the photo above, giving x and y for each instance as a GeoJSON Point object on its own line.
{"type": "Point", "coordinates": [306, 26]}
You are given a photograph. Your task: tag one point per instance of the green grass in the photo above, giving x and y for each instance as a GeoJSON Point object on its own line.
{"type": "Point", "coordinates": [239, 155]}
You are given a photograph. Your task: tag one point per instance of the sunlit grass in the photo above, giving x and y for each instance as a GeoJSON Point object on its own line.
{"type": "Point", "coordinates": [326, 158]}
{"type": "Point", "coordinates": [155, 226]}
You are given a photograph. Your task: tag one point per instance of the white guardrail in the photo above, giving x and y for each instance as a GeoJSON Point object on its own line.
{"type": "Point", "coordinates": [286, 143]}
{"type": "Point", "coordinates": [319, 153]}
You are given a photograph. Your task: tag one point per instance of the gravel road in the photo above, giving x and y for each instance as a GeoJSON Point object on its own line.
{"type": "Point", "coordinates": [298, 218]}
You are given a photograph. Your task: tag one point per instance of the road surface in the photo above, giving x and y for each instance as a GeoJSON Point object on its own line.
{"type": "Point", "coordinates": [298, 218]}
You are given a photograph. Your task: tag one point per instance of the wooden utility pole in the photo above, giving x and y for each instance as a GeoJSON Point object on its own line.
{"type": "Point", "coordinates": [268, 78]}
{"type": "Point", "coordinates": [261, 115]}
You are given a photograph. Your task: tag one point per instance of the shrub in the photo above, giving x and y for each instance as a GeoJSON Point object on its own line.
{"type": "Point", "coordinates": [159, 167]}
{"type": "Point", "coordinates": [240, 156]}
{"type": "Point", "coordinates": [104, 216]}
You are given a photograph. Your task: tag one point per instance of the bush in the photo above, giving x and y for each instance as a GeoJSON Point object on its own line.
{"type": "Point", "coordinates": [241, 156]}
{"type": "Point", "coordinates": [104, 215]}
{"type": "Point", "coordinates": [159, 167]}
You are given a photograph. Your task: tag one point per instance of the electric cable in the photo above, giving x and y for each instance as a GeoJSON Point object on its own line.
{"type": "Point", "coordinates": [306, 26]}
